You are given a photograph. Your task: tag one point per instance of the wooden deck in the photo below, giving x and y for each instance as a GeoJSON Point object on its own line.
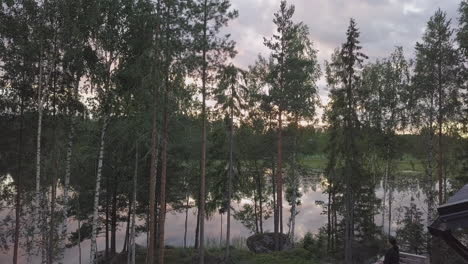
{"type": "Point", "coordinates": [406, 258]}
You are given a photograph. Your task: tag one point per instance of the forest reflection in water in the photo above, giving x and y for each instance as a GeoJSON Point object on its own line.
{"type": "Point", "coordinates": [406, 188]}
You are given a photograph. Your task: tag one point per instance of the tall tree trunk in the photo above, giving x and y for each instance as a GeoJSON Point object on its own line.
{"type": "Point", "coordinates": [186, 221]}
{"type": "Point", "coordinates": [126, 246]}
{"type": "Point", "coordinates": [329, 216]}
{"type": "Point", "coordinates": [162, 201]}
{"type": "Point", "coordinates": [390, 198]}
{"type": "Point", "coordinates": [221, 231]}
{"type": "Point", "coordinates": [94, 232]}
{"type": "Point", "coordinates": [230, 172]}
{"type": "Point", "coordinates": [51, 238]}
{"type": "Point", "coordinates": [295, 182]}
{"type": "Point", "coordinates": [348, 222]}
{"type": "Point", "coordinates": [201, 250]}
{"type": "Point", "coordinates": [154, 151]}
{"type": "Point", "coordinates": [106, 251]}
{"type": "Point", "coordinates": [197, 230]}
{"type": "Point", "coordinates": [259, 186]}
{"type": "Point", "coordinates": [385, 186]}
{"type": "Point", "coordinates": [255, 211]}
{"type": "Point", "coordinates": [66, 184]}
{"type": "Point", "coordinates": [79, 240]}
{"type": "Point", "coordinates": [114, 216]}
{"type": "Point", "coordinates": [279, 188]}
{"type": "Point", "coordinates": [18, 187]}
{"type": "Point", "coordinates": [273, 191]}
{"type": "Point", "coordinates": [131, 259]}
{"type": "Point", "coordinates": [38, 195]}
{"type": "Point", "coordinates": [429, 175]}
{"type": "Point", "coordinates": [152, 187]}
{"type": "Point", "coordinates": [439, 141]}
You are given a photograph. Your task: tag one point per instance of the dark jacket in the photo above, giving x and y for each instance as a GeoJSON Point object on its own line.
{"type": "Point", "coordinates": [392, 256]}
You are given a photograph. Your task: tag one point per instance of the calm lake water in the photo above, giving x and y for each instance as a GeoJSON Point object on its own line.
{"type": "Point", "coordinates": [309, 219]}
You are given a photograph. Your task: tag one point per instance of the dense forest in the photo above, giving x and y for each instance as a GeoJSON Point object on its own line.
{"type": "Point", "coordinates": [119, 117]}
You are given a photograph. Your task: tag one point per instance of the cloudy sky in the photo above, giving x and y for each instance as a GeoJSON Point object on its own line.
{"type": "Point", "coordinates": [384, 24]}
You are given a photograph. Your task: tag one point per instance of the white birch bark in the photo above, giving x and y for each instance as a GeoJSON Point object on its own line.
{"type": "Point", "coordinates": [66, 182]}
{"type": "Point", "coordinates": [131, 251]}
{"type": "Point", "coordinates": [93, 250]}
{"type": "Point", "coordinates": [38, 210]}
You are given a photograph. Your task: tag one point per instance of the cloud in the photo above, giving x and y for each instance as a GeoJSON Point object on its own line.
{"type": "Point", "coordinates": [383, 24]}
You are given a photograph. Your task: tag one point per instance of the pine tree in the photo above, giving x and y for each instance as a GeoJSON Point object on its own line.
{"type": "Point", "coordinates": [210, 51]}
{"type": "Point", "coordinates": [411, 233]}
{"type": "Point", "coordinates": [230, 95]}
{"type": "Point", "coordinates": [435, 79]}
{"type": "Point", "coordinates": [292, 85]}
{"type": "Point", "coordinates": [344, 76]}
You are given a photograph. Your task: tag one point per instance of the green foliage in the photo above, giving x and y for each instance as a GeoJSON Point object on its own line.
{"type": "Point", "coordinates": [411, 234]}
{"type": "Point", "coordinates": [294, 68]}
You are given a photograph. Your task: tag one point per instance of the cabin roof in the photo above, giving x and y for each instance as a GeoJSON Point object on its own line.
{"type": "Point", "coordinates": [454, 213]}
{"type": "Point", "coordinates": [461, 195]}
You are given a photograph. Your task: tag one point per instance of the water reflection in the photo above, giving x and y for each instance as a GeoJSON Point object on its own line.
{"type": "Point", "coordinates": [309, 219]}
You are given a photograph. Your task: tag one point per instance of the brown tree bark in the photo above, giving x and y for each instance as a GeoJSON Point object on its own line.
{"type": "Point", "coordinates": [152, 188]}
{"type": "Point", "coordinates": [279, 183]}
{"type": "Point", "coordinates": [439, 137]}
{"type": "Point", "coordinates": [114, 216]}
{"type": "Point", "coordinates": [18, 186]}
{"type": "Point", "coordinates": [106, 252]}
{"type": "Point", "coordinates": [162, 200]}
{"type": "Point", "coordinates": [201, 250]}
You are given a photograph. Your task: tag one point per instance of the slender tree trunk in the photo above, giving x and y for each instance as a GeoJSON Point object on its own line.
{"type": "Point", "coordinates": [390, 198]}
{"type": "Point", "coordinates": [260, 195]}
{"type": "Point", "coordinates": [71, 135]}
{"type": "Point", "coordinates": [114, 216]}
{"type": "Point", "coordinates": [18, 187]}
{"type": "Point", "coordinates": [94, 232]}
{"type": "Point", "coordinates": [51, 238]}
{"type": "Point", "coordinates": [162, 201]}
{"type": "Point", "coordinates": [295, 182]}
{"type": "Point", "coordinates": [106, 251]}
{"type": "Point", "coordinates": [279, 199]}
{"type": "Point", "coordinates": [201, 250]}
{"type": "Point", "coordinates": [329, 215]}
{"type": "Point", "coordinates": [261, 206]}
{"type": "Point", "coordinates": [385, 186]}
{"type": "Point", "coordinates": [430, 177]}
{"type": "Point", "coordinates": [439, 137]}
{"type": "Point", "coordinates": [79, 240]}
{"type": "Point", "coordinates": [348, 222]}
{"type": "Point", "coordinates": [273, 191]}
{"type": "Point", "coordinates": [255, 212]}
{"type": "Point", "coordinates": [154, 154]}
{"type": "Point", "coordinates": [186, 221]}
{"type": "Point", "coordinates": [37, 199]}
{"type": "Point", "coordinates": [126, 247]}
{"type": "Point", "coordinates": [152, 187]}
{"type": "Point", "coordinates": [230, 172]}
{"type": "Point", "coordinates": [197, 230]}
{"type": "Point", "coordinates": [221, 231]}
{"type": "Point", "coordinates": [133, 235]}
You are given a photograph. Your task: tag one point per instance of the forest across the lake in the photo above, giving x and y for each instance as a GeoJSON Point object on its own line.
{"type": "Point", "coordinates": [129, 134]}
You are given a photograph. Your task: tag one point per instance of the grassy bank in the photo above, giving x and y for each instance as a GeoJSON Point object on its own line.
{"type": "Point", "coordinates": [403, 164]}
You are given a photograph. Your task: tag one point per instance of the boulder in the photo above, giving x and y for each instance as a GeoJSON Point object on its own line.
{"type": "Point", "coordinates": [265, 243]}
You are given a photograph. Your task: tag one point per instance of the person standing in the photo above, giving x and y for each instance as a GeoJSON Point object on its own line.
{"type": "Point", "coordinates": [392, 256]}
